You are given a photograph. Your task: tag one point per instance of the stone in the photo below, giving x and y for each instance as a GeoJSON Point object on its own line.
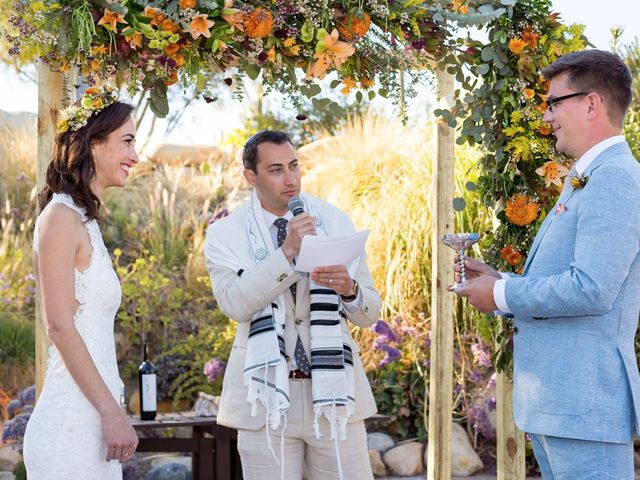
{"type": "Point", "coordinates": [169, 471]}
{"type": "Point", "coordinates": [464, 459]}
{"type": "Point", "coordinates": [166, 459]}
{"type": "Point", "coordinates": [405, 459]}
{"type": "Point", "coordinates": [122, 352]}
{"type": "Point", "coordinates": [377, 465]}
{"type": "Point", "coordinates": [133, 405]}
{"type": "Point", "coordinates": [9, 458]}
{"type": "Point", "coordinates": [379, 441]}
{"type": "Point", "coordinates": [636, 460]}
{"type": "Point", "coordinates": [7, 476]}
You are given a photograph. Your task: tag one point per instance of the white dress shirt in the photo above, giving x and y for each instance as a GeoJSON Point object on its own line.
{"type": "Point", "coordinates": [499, 295]}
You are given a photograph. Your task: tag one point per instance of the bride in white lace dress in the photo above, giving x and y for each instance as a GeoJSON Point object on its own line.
{"type": "Point", "coordinates": [77, 429]}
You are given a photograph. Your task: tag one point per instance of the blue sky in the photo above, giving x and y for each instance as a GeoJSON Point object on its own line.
{"type": "Point", "coordinates": [206, 123]}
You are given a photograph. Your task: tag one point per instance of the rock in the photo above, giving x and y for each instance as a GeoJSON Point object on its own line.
{"type": "Point", "coordinates": [7, 476]}
{"type": "Point", "coordinates": [167, 459]}
{"type": "Point", "coordinates": [9, 458]}
{"type": "Point", "coordinates": [405, 459]}
{"type": "Point", "coordinates": [377, 465]}
{"type": "Point", "coordinates": [379, 441]}
{"type": "Point", "coordinates": [464, 459]}
{"type": "Point", "coordinates": [636, 460]}
{"type": "Point", "coordinates": [122, 352]}
{"type": "Point", "coordinates": [169, 471]}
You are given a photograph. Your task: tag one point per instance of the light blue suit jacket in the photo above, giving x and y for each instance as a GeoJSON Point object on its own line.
{"type": "Point", "coordinates": [576, 310]}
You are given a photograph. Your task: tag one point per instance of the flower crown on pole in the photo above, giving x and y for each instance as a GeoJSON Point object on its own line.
{"type": "Point", "coordinates": [94, 100]}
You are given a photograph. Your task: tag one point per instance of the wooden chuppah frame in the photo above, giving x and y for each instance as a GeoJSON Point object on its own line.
{"type": "Point", "coordinates": [510, 441]}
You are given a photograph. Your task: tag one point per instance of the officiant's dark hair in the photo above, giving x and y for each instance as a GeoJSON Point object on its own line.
{"type": "Point", "coordinates": [250, 151]}
{"type": "Point", "coordinates": [73, 166]}
{"type": "Point", "coordinates": [597, 71]}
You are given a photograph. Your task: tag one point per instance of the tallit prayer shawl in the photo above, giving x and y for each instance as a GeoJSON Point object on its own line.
{"type": "Point", "coordinates": [266, 372]}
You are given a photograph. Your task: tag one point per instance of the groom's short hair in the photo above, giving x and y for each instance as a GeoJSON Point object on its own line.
{"type": "Point", "coordinates": [597, 71]}
{"type": "Point", "coordinates": [250, 150]}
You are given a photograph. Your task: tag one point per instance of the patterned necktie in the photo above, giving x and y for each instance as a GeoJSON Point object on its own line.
{"type": "Point", "coordinates": [299, 354]}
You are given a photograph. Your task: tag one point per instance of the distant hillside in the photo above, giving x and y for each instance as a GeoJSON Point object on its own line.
{"type": "Point", "coordinates": [24, 122]}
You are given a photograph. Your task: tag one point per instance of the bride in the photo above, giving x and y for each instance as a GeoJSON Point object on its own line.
{"type": "Point", "coordinates": [78, 429]}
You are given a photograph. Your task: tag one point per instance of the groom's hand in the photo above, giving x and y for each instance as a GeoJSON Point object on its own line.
{"type": "Point", "coordinates": [473, 268]}
{"type": "Point", "coordinates": [297, 228]}
{"type": "Point", "coordinates": [479, 292]}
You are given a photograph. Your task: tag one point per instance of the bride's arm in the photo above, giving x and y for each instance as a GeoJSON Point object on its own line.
{"type": "Point", "coordinates": [61, 237]}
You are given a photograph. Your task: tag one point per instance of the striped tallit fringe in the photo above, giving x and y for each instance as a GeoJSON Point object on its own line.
{"type": "Point", "coordinates": [266, 373]}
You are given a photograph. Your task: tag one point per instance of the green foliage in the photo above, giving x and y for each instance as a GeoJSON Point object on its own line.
{"type": "Point", "coordinates": [17, 351]}
{"type": "Point", "coordinates": [182, 365]}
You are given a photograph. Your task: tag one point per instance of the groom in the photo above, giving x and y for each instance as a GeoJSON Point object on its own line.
{"type": "Point", "coordinates": [576, 304]}
{"type": "Point", "coordinates": [294, 386]}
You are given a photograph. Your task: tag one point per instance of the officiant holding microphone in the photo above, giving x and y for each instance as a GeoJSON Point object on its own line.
{"type": "Point", "coordinates": [294, 386]}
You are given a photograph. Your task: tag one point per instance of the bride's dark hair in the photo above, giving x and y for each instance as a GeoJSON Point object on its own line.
{"type": "Point", "coordinates": [73, 167]}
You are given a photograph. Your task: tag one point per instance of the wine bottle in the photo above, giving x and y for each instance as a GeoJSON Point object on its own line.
{"type": "Point", "coordinates": [148, 388]}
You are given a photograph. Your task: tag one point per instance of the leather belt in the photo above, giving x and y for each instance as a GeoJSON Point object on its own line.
{"type": "Point", "coordinates": [298, 375]}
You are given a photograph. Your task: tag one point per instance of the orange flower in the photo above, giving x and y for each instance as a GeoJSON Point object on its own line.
{"type": "Point", "coordinates": [179, 59]}
{"type": "Point", "coordinates": [92, 91]}
{"type": "Point", "coordinates": [233, 16]}
{"type": "Point", "coordinates": [521, 210]}
{"type": "Point", "coordinates": [200, 25]}
{"type": "Point", "coordinates": [173, 78]}
{"type": "Point", "coordinates": [353, 25]}
{"type": "Point", "coordinates": [545, 129]}
{"type": "Point", "coordinates": [185, 4]}
{"type": "Point", "coordinates": [150, 12]}
{"type": "Point", "coordinates": [528, 93]}
{"type": "Point", "coordinates": [112, 19]}
{"type": "Point", "coordinates": [330, 52]}
{"type": "Point", "coordinates": [349, 83]}
{"type": "Point", "coordinates": [530, 38]}
{"type": "Point", "coordinates": [134, 40]}
{"type": "Point", "coordinates": [511, 255]}
{"type": "Point", "coordinates": [99, 49]}
{"type": "Point", "coordinates": [168, 26]}
{"type": "Point", "coordinates": [552, 173]}
{"type": "Point", "coordinates": [542, 107]}
{"type": "Point", "coordinates": [271, 54]}
{"type": "Point", "coordinates": [366, 83]}
{"type": "Point", "coordinates": [516, 46]}
{"type": "Point", "coordinates": [158, 19]}
{"type": "Point", "coordinates": [259, 23]}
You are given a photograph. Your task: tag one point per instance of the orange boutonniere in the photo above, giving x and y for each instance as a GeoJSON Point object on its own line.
{"type": "Point", "coordinates": [579, 181]}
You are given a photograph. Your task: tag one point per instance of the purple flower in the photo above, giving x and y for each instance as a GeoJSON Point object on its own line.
{"type": "Point", "coordinates": [13, 407]}
{"type": "Point", "coordinates": [492, 381]}
{"type": "Point", "coordinates": [28, 395]}
{"type": "Point", "coordinates": [13, 430]}
{"type": "Point", "coordinates": [479, 421]}
{"type": "Point", "coordinates": [491, 403]}
{"type": "Point", "coordinates": [481, 355]}
{"type": "Point", "coordinates": [382, 328]}
{"type": "Point", "coordinates": [213, 369]}
{"type": "Point", "coordinates": [391, 355]}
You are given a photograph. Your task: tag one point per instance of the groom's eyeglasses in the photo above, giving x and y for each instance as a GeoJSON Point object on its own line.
{"type": "Point", "coordinates": [552, 102]}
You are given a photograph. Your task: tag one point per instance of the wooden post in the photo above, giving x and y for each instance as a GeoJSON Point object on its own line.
{"type": "Point", "coordinates": [442, 301]}
{"type": "Point", "coordinates": [510, 440]}
{"type": "Point", "coordinates": [49, 104]}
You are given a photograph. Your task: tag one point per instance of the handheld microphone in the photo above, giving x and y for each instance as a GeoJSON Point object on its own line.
{"type": "Point", "coordinates": [296, 205]}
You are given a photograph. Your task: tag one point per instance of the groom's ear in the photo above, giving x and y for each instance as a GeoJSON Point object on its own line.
{"type": "Point", "coordinates": [250, 176]}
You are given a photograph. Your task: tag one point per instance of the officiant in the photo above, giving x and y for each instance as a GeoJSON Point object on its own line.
{"type": "Point", "coordinates": [294, 381]}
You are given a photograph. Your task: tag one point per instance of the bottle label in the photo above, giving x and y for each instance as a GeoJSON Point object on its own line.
{"type": "Point", "coordinates": [149, 393]}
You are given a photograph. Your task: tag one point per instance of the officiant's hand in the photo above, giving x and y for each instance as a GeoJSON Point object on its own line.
{"type": "Point", "coordinates": [473, 268]}
{"type": "Point", "coordinates": [479, 292]}
{"type": "Point", "coordinates": [297, 228]}
{"type": "Point", "coordinates": [335, 277]}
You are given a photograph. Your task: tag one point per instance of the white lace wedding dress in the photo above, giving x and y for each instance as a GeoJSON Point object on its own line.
{"type": "Point", "coordinates": [63, 439]}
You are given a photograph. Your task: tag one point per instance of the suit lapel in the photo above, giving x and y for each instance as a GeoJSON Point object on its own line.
{"type": "Point", "coordinates": [566, 190]}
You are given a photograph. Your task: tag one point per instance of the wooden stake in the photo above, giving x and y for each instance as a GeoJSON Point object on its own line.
{"type": "Point", "coordinates": [442, 301]}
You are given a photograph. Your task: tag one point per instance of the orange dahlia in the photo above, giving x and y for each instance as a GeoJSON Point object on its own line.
{"type": "Point", "coordinates": [530, 38]}
{"type": "Point", "coordinates": [185, 4]}
{"type": "Point", "coordinates": [517, 45]}
{"type": "Point", "coordinates": [259, 23]}
{"type": "Point", "coordinates": [511, 255]}
{"type": "Point", "coordinates": [521, 210]}
{"type": "Point", "coordinates": [353, 25]}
